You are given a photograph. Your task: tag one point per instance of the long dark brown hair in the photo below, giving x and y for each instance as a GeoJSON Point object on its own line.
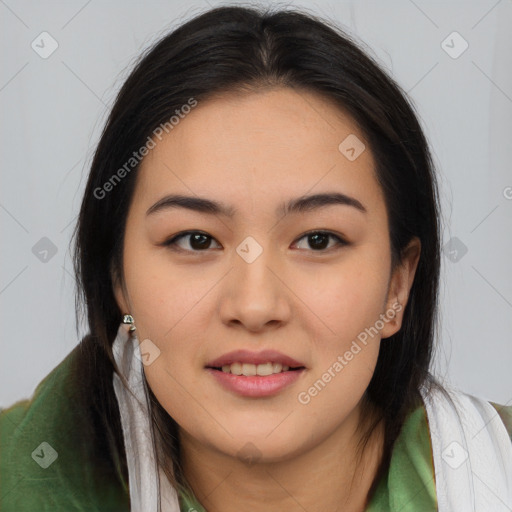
{"type": "Point", "coordinates": [247, 49]}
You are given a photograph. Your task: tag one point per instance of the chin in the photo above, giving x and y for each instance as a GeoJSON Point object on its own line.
{"type": "Point", "coordinates": [263, 448]}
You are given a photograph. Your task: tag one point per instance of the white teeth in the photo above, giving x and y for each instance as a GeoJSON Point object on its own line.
{"type": "Point", "coordinates": [265, 369]}
{"type": "Point", "coordinates": [250, 370]}
{"type": "Point", "coordinates": [235, 368]}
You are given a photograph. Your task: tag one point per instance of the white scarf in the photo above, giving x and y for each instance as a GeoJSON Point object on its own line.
{"type": "Point", "coordinates": [143, 468]}
{"type": "Point", "coordinates": [472, 450]}
{"type": "Point", "coordinates": [472, 453]}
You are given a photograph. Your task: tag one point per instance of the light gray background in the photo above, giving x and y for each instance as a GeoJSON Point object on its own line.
{"type": "Point", "coordinates": [53, 109]}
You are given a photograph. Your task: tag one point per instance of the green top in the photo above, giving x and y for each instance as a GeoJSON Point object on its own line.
{"type": "Point", "coordinates": [48, 461]}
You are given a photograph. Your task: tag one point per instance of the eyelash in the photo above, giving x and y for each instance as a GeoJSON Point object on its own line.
{"type": "Point", "coordinates": [171, 243]}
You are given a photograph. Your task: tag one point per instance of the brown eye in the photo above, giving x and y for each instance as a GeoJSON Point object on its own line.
{"type": "Point", "coordinates": [197, 241]}
{"type": "Point", "coordinates": [319, 240]}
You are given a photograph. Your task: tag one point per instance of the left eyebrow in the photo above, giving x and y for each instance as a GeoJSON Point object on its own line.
{"type": "Point", "coordinates": [297, 205]}
{"type": "Point", "coordinates": [316, 201]}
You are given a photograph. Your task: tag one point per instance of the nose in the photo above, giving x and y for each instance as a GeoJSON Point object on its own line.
{"type": "Point", "coordinates": [254, 295]}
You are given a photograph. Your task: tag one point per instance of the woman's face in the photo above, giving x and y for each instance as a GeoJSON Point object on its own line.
{"type": "Point", "coordinates": [253, 280]}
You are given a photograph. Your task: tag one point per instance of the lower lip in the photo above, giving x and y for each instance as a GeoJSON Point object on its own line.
{"type": "Point", "coordinates": [256, 386]}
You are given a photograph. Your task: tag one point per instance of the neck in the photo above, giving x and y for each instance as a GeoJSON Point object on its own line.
{"type": "Point", "coordinates": [328, 477]}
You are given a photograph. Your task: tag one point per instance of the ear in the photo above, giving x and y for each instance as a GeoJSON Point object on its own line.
{"type": "Point", "coordinates": [400, 286]}
{"type": "Point", "coordinates": [119, 291]}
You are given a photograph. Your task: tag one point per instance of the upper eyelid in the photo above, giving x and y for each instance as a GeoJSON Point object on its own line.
{"type": "Point", "coordinates": [179, 236]}
{"type": "Point", "coordinates": [340, 239]}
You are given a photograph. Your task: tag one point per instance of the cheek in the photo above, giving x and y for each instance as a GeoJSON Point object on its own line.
{"type": "Point", "coordinates": [173, 376]}
{"type": "Point", "coordinates": [342, 302]}
{"type": "Point", "coordinates": [159, 294]}
{"type": "Point", "coordinates": [168, 311]}
{"type": "Point", "coordinates": [344, 332]}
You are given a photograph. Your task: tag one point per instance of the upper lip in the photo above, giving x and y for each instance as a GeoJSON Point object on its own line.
{"type": "Point", "coordinates": [246, 356]}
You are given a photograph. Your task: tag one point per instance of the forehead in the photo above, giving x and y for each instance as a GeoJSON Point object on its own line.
{"type": "Point", "coordinates": [259, 148]}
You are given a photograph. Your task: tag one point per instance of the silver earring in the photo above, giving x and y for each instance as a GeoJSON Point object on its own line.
{"type": "Point", "coordinates": [128, 319]}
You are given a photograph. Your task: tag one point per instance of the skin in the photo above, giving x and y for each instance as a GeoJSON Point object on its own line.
{"type": "Point", "coordinates": [253, 151]}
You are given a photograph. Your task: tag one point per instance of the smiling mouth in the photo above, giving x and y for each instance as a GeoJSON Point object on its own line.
{"type": "Point", "coordinates": [255, 370]}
